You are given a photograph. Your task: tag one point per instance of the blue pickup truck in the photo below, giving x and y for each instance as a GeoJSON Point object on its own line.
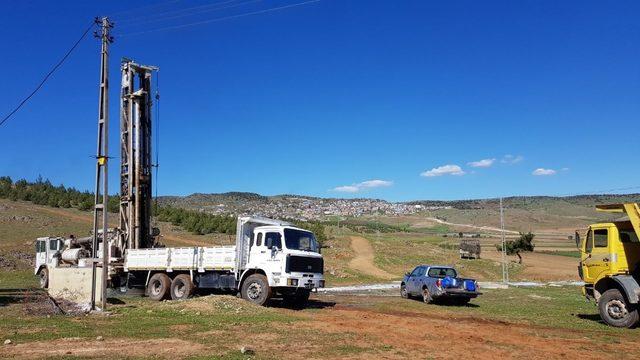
{"type": "Point", "coordinates": [438, 283]}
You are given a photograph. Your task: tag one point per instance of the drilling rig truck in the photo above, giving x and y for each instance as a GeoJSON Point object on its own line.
{"type": "Point", "coordinates": [610, 265]}
{"type": "Point", "coordinates": [270, 257]}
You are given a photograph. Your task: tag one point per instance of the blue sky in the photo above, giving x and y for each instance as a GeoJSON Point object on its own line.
{"type": "Point", "coordinates": [385, 99]}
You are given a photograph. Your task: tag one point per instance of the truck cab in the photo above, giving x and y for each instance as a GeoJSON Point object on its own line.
{"type": "Point", "coordinates": [288, 258]}
{"type": "Point", "coordinates": [610, 265]}
{"type": "Point", "coordinates": [47, 249]}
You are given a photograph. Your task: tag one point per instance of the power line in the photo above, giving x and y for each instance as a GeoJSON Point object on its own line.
{"type": "Point", "coordinates": [175, 27]}
{"type": "Point", "coordinates": [192, 14]}
{"type": "Point", "coordinates": [146, 8]}
{"type": "Point", "coordinates": [48, 74]}
{"type": "Point", "coordinates": [200, 8]}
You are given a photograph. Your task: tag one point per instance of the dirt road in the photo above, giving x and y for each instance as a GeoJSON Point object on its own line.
{"type": "Point", "coordinates": [363, 261]}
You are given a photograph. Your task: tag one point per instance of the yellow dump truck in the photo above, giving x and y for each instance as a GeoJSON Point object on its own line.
{"type": "Point", "coordinates": [610, 265]}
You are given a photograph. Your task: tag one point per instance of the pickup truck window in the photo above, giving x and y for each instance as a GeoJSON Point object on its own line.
{"type": "Point", "coordinates": [442, 272]}
{"type": "Point", "coordinates": [589, 242]}
{"type": "Point", "coordinates": [419, 271]}
{"type": "Point", "coordinates": [600, 238]}
{"type": "Point", "coordinates": [415, 271]}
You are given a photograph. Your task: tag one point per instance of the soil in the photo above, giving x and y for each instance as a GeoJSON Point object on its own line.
{"type": "Point", "coordinates": [363, 261]}
{"type": "Point", "coordinates": [358, 322]}
{"type": "Point", "coordinates": [420, 335]}
{"type": "Point", "coordinates": [542, 267]}
{"type": "Point", "coordinates": [162, 348]}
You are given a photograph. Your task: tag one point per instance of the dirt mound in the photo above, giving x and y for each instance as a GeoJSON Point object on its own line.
{"type": "Point", "coordinates": [216, 304]}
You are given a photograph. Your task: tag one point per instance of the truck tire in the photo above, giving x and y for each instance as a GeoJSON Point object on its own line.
{"type": "Point", "coordinates": [158, 286]}
{"type": "Point", "coordinates": [616, 311]}
{"type": "Point", "coordinates": [256, 289]}
{"type": "Point", "coordinates": [43, 277]}
{"type": "Point", "coordinates": [426, 296]}
{"type": "Point", "coordinates": [403, 291]}
{"type": "Point", "coordinates": [181, 287]}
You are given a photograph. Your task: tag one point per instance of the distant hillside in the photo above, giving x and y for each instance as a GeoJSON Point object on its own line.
{"type": "Point", "coordinates": [528, 202]}
{"type": "Point", "coordinates": [548, 210]}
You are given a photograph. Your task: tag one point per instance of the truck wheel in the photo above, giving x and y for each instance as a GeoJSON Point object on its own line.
{"type": "Point", "coordinates": [403, 291]}
{"type": "Point", "coordinates": [43, 276]}
{"type": "Point", "coordinates": [181, 287]}
{"type": "Point", "coordinates": [256, 289]}
{"type": "Point", "coordinates": [426, 296]}
{"type": "Point", "coordinates": [158, 286]}
{"type": "Point", "coordinates": [616, 311]}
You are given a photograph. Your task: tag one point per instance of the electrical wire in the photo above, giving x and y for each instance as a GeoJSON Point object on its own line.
{"type": "Point", "coordinates": [48, 74]}
{"type": "Point", "coordinates": [146, 8]}
{"type": "Point", "coordinates": [185, 15]}
{"type": "Point", "coordinates": [175, 27]}
{"type": "Point", "coordinates": [174, 13]}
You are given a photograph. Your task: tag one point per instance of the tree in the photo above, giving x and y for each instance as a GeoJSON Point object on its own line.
{"type": "Point", "coordinates": [523, 244]}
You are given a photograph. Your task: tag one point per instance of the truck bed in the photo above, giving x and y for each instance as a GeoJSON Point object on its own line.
{"type": "Point", "coordinates": [181, 258]}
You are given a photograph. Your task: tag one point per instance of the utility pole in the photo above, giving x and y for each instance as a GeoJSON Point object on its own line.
{"type": "Point", "coordinates": [102, 156]}
{"type": "Point", "coordinates": [505, 268]}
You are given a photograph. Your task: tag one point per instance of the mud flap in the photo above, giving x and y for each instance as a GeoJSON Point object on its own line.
{"type": "Point", "coordinates": [630, 286]}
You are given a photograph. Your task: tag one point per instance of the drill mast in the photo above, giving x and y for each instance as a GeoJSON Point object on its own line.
{"type": "Point", "coordinates": [135, 157]}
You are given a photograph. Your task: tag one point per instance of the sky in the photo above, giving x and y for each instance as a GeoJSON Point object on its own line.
{"type": "Point", "coordinates": [398, 100]}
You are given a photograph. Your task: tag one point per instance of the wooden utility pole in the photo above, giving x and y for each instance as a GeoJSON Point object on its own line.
{"type": "Point", "coordinates": [100, 223]}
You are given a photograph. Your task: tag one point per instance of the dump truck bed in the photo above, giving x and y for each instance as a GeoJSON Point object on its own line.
{"type": "Point", "coordinates": [181, 258]}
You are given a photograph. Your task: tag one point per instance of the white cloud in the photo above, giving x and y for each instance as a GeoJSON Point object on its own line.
{"type": "Point", "coordinates": [484, 163]}
{"type": "Point", "coordinates": [369, 184]}
{"type": "Point", "coordinates": [511, 159]}
{"type": "Point", "coordinates": [543, 172]}
{"type": "Point", "coordinates": [443, 170]}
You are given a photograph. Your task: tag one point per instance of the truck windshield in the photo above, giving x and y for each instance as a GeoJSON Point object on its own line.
{"type": "Point", "coordinates": [300, 240]}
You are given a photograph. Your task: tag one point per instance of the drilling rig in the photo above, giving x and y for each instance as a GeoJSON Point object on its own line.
{"type": "Point", "coordinates": [270, 257]}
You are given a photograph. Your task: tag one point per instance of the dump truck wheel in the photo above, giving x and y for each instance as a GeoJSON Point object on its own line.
{"type": "Point", "coordinates": [181, 287]}
{"type": "Point", "coordinates": [43, 276]}
{"type": "Point", "coordinates": [426, 296]}
{"type": "Point", "coordinates": [403, 291]}
{"type": "Point", "coordinates": [256, 289]}
{"type": "Point", "coordinates": [158, 286]}
{"type": "Point", "coordinates": [616, 311]}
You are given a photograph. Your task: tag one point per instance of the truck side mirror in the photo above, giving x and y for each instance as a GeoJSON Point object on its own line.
{"type": "Point", "coordinates": [577, 238]}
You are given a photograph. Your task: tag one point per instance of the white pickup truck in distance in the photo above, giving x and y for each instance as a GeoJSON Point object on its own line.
{"type": "Point", "coordinates": [271, 258]}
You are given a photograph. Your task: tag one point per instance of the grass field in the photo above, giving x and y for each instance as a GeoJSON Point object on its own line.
{"type": "Point", "coordinates": [545, 322]}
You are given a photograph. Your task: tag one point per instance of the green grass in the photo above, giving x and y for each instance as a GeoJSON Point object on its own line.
{"type": "Point", "coordinates": [400, 252]}
{"type": "Point", "coordinates": [548, 307]}
{"type": "Point", "coordinates": [140, 318]}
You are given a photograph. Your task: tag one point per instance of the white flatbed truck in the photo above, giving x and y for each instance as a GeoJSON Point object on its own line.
{"type": "Point", "coordinates": [271, 258]}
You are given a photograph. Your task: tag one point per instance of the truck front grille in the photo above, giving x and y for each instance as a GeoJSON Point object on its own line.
{"type": "Point", "coordinates": [304, 264]}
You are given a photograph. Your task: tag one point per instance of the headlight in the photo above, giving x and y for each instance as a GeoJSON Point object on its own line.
{"type": "Point", "coordinates": [292, 282]}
